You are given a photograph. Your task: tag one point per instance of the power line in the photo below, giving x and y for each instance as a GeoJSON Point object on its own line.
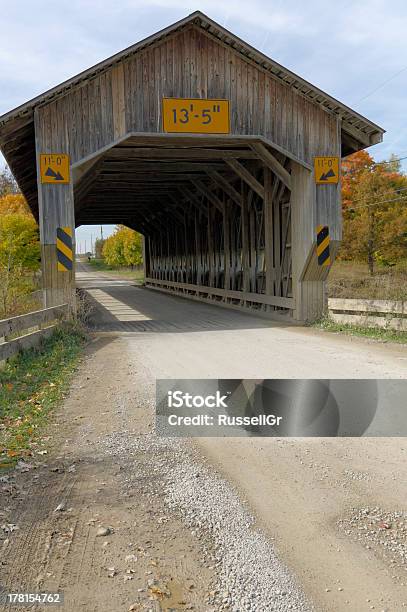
{"type": "Point", "coordinates": [377, 203]}
{"type": "Point", "coordinates": [395, 190]}
{"type": "Point", "coordinates": [381, 85]}
{"type": "Point", "coordinates": [390, 161]}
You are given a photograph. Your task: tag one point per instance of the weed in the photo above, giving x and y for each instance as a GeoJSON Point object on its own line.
{"type": "Point", "coordinates": [375, 333]}
{"type": "Point", "coordinates": [31, 385]}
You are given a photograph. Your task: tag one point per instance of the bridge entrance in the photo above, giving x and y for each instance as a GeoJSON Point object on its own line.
{"type": "Point", "coordinates": [225, 161]}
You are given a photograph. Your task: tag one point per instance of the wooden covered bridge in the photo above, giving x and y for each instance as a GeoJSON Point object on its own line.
{"type": "Point", "coordinates": [225, 161]}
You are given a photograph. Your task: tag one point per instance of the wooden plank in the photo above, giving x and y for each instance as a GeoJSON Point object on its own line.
{"type": "Point", "coordinates": [272, 163]}
{"type": "Point", "coordinates": [259, 298]}
{"type": "Point", "coordinates": [8, 349]}
{"type": "Point", "coordinates": [174, 153]}
{"type": "Point", "coordinates": [31, 319]}
{"type": "Point", "coordinates": [246, 176]}
{"type": "Point", "coordinates": [118, 99]}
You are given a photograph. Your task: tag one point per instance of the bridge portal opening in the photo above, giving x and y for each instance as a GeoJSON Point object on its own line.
{"type": "Point", "coordinates": [204, 207]}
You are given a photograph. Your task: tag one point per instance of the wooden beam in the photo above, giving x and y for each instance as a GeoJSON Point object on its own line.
{"type": "Point", "coordinates": [178, 153]}
{"type": "Point", "coordinates": [272, 163]}
{"type": "Point", "coordinates": [246, 176]}
{"type": "Point", "coordinates": [225, 186]}
{"type": "Point", "coordinates": [260, 298]}
{"type": "Point", "coordinates": [193, 198]}
{"type": "Point", "coordinates": [203, 189]}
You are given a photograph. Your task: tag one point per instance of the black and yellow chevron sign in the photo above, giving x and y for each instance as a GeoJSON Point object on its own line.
{"type": "Point", "coordinates": [324, 258]}
{"type": "Point", "coordinates": [64, 249]}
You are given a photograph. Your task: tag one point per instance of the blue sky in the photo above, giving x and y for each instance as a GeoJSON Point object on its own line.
{"type": "Point", "coordinates": [354, 50]}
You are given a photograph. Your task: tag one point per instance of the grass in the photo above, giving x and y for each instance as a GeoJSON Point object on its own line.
{"type": "Point", "coordinates": [102, 266]}
{"type": "Point", "coordinates": [375, 333]}
{"type": "Point", "coordinates": [349, 279]}
{"type": "Point", "coordinates": [31, 385]}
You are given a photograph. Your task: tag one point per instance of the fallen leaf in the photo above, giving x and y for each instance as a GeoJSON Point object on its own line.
{"type": "Point", "coordinates": [158, 593]}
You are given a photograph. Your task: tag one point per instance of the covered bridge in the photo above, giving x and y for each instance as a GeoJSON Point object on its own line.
{"type": "Point", "coordinates": [224, 160]}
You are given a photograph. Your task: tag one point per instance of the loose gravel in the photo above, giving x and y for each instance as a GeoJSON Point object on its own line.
{"type": "Point", "coordinates": [250, 576]}
{"type": "Point", "coordinates": [382, 531]}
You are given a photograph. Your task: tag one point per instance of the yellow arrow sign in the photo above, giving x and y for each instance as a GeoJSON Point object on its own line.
{"type": "Point", "coordinates": [326, 170]}
{"type": "Point", "coordinates": [54, 168]}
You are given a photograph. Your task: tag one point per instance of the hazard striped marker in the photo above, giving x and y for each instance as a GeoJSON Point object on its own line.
{"type": "Point", "coordinates": [324, 258]}
{"type": "Point", "coordinates": [64, 249]}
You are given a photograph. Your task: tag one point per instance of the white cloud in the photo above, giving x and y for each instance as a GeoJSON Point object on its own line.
{"type": "Point", "coordinates": [346, 48]}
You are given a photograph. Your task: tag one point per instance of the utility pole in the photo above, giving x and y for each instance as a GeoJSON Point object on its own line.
{"type": "Point", "coordinates": [101, 232]}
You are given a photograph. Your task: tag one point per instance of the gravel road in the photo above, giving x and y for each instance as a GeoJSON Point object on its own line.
{"type": "Point", "coordinates": [122, 520]}
{"type": "Point", "coordinates": [119, 519]}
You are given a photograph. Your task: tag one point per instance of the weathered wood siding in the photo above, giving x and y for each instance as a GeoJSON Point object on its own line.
{"type": "Point", "coordinates": [127, 98]}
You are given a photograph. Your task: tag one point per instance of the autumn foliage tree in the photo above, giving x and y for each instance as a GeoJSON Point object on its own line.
{"type": "Point", "coordinates": [19, 246]}
{"type": "Point", "coordinates": [374, 201]}
{"type": "Point", "coordinates": [123, 248]}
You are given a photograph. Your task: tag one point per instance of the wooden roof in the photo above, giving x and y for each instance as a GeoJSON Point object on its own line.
{"type": "Point", "coordinates": [17, 135]}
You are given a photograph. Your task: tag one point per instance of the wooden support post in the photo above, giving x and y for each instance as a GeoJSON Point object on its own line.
{"type": "Point", "coordinates": [198, 254]}
{"type": "Point", "coordinates": [245, 239]}
{"type": "Point", "coordinates": [210, 247]}
{"type": "Point", "coordinates": [253, 259]}
{"type": "Point", "coordinates": [268, 230]}
{"type": "Point", "coordinates": [308, 294]}
{"type": "Point", "coordinates": [277, 243]}
{"type": "Point", "coordinates": [146, 258]}
{"type": "Point", "coordinates": [226, 242]}
{"type": "Point", "coordinates": [56, 210]}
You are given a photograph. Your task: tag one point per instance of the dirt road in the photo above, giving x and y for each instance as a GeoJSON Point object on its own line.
{"type": "Point", "coordinates": [326, 507]}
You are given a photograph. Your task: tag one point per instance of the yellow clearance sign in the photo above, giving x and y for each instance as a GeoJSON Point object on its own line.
{"type": "Point", "coordinates": [196, 116]}
{"type": "Point", "coordinates": [326, 170]}
{"type": "Point", "coordinates": [54, 168]}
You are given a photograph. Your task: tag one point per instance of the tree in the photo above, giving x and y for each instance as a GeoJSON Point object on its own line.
{"type": "Point", "coordinates": [133, 248]}
{"type": "Point", "coordinates": [19, 253]}
{"type": "Point", "coordinates": [8, 184]}
{"type": "Point", "coordinates": [113, 250]}
{"type": "Point", "coordinates": [14, 203]}
{"type": "Point", "coordinates": [374, 200]}
{"type": "Point", "coordinates": [99, 243]}
{"type": "Point", "coordinates": [123, 248]}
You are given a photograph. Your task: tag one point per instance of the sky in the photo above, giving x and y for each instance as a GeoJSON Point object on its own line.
{"type": "Point", "coordinates": [354, 50]}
